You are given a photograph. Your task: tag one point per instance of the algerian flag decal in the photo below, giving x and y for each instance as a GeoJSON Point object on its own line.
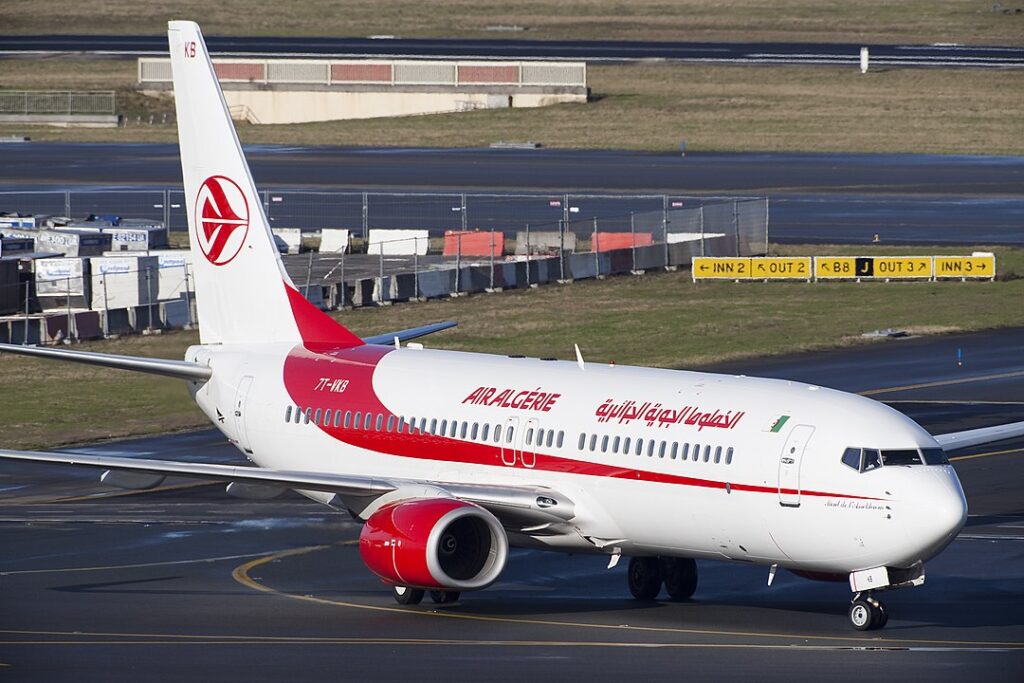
{"type": "Point", "coordinates": [778, 424]}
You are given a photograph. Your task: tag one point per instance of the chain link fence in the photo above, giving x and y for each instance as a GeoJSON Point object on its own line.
{"type": "Point", "coordinates": [389, 246]}
{"type": "Point", "coordinates": [28, 102]}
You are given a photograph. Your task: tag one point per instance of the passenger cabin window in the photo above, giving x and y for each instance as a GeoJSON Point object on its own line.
{"type": "Point", "coordinates": [307, 415]}
{"type": "Point", "coordinates": [561, 438]}
{"type": "Point", "coordinates": [348, 419]}
{"type": "Point", "coordinates": [288, 414]}
{"type": "Point", "coordinates": [728, 456]}
{"type": "Point", "coordinates": [551, 435]}
{"type": "Point", "coordinates": [497, 433]}
{"type": "Point", "coordinates": [604, 443]}
{"type": "Point", "coordinates": [718, 454]}
{"type": "Point", "coordinates": [465, 426]}
{"type": "Point", "coordinates": [583, 441]}
{"type": "Point", "coordinates": [476, 431]}
{"type": "Point", "coordinates": [337, 419]}
{"type": "Point", "coordinates": [485, 431]}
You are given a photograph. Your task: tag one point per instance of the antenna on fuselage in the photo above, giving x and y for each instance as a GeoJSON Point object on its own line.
{"type": "Point", "coordinates": [579, 356]}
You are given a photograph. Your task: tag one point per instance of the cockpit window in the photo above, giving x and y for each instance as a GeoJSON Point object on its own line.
{"type": "Point", "coordinates": [865, 459]}
{"type": "Point", "coordinates": [901, 457]}
{"type": "Point", "coordinates": [871, 460]}
{"type": "Point", "coordinates": [934, 456]}
{"type": "Point", "coordinates": [851, 458]}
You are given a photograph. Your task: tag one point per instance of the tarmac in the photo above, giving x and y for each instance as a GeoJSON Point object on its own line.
{"type": "Point", "coordinates": [823, 198]}
{"type": "Point", "coordinates": [184, 582]}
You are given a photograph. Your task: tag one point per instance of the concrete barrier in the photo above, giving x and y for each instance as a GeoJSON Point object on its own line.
{"type": "Point", "coordinates": [174, 314]}
{"type": "Point", "coordinates": [404, 286]}
{"type": "Point", "coordinates": [88, 325]}
{"type": "Point", "coordinates": [580, 266]}
{"type": "Point", "coordinates": [398, 242]}
{"type": "Point", "coordinates": [291, 236]}
{"type": "Point", "coordinates": [10, 291]}
{"type": "Point", "coordinates": [544, 242]}
{"type": "Point", "coordinates": [437, 283]}
{"type": "Point", "coordinates": [650, 257]}
{"type": "Point", "coordinates": [116, 321]}
{"type": "Point", "coordinates": [362, 292]}
{"type": "Point", "coordinates": [334, 241]}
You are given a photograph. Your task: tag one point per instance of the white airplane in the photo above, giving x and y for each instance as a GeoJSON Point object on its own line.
{"type": "Point", "coordinates": [450, 458]}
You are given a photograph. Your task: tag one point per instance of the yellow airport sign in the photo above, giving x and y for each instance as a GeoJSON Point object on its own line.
{"type": "Point", "coordinates": [903, 267]}
{"type": "Point", "coordinates": [835, 267]}
{"type": "Point", "coordinates": [720, 268]}
{"type": "Point", "coordinates": [962, 267]}
{"type": "Point", "coordinates": [781, 268]}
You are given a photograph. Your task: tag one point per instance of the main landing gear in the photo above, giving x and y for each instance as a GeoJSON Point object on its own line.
{"type": "Point", "coordinates": [404, 595]}
{"type": "Point", "coordinates": [867, 613]}
{"type": "Point", "coordinates": [646, 576]}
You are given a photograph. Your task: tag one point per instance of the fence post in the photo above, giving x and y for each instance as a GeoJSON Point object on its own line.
{"type": "Point", "coordinates": [766, 226]}
{"type": "Point", "coordinates": [561, 250]}
{"type": "Point", "coordinates": [458, 259]}
{"type": "Point", "coordinates": [149, 298]}
{"type": "Point", "coordinates": [702, 246]}
{"type": "Point", "coordinates": [529, 256]}
{"type": "Point", "coordinates": [416, 267]}
{"type": "Point", "coordinates": [188, 299]}
{"type": "Point", "coordinates": [67, 203]}
{"type": "Point", "coordinates": [106, 308]}
{"type": "Point", "coordinates": [167, 211]}
{"type": "Point", "coordinates": [462, 211]}
{"type": "Point", "coordinates": [632, 238]}
{"type": "Point", "coordinates": [664, 225]}
{"type": "Point", "coordinates": [736, 225]}
{"type": "Point", "coordinates": [366, 214]}
{"type": "Point", "coordinates": [25, 339]}
{"type": "Point", "coordinates": [492, 261]}
{"type": "Point", "coordinates": [597, 257]}
{"type": "Point", "coordinates": [67, 309]}
{"type": "Point", "coordinates": [344, 289]}
{"type": "Point", "coordinates": [380, 288]}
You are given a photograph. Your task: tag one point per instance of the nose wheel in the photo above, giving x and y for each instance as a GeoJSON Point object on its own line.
{"type": "Point", "coordinates": [867, 613]}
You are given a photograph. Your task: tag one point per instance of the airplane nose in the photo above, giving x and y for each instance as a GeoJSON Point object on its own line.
{"type": "Point", "coordinates": [939, 515]}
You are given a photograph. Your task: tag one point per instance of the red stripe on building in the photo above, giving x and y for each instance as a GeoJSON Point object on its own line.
{"type": "Point", "coordinates": [488, 74]}
{"type": "Point", "coordinates": [356, 73]}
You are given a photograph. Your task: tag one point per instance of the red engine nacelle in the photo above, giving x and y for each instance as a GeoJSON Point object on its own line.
{"type": "Point", "coordinates": [434, 543]}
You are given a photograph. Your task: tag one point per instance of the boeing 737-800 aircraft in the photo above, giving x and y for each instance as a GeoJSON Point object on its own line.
{"type": "Point", "coordinates": [449, 458]}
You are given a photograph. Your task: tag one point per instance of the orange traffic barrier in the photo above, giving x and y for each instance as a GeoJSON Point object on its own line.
{"type": "Point", "coordinates": [609, 241]}
{"type": "Point", "coordinates": [473, 243]}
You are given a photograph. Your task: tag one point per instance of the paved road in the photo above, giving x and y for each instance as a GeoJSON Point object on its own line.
{"type": "Point", "coordinates": [591, 51]}
{"type": "Point", "coordinates": [186, 583]}
{"type": "Point", "coordinates": [814, 197]}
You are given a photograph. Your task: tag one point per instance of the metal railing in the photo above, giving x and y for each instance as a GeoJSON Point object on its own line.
{"type": "Point", "coordinates": [28, 102]}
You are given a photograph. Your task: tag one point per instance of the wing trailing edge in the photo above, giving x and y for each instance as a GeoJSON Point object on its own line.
{"type": "Point", "coordinates": [178, 369]}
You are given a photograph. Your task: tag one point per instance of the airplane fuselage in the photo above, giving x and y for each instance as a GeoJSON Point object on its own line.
{"type": "Point", "coordinates": [658, 462]}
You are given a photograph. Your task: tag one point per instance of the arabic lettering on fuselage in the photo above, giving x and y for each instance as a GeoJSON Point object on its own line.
{"type": "Point", "coordinates": [657, 414]}
{"type": "Point", "coordinates": [518, 399]}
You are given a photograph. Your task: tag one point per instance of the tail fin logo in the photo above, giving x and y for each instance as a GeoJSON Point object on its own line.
{"type": "Point", "coordinates": [222, 219]}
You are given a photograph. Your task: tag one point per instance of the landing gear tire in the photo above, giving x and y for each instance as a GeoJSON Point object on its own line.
{"type": "Point", "coordinates": [407, 596]}
{"type": "Point", "coordinates": [680, 575]}
{"type": "Point", "coordinates": [445, 597]}
{"type": "Point", "coordinates": [644, 577]}
{"type": "Point", "coordinates": [868, 614]}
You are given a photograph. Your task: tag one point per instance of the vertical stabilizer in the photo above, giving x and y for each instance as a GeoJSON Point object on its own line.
{"type": "Point", "coordinates": [243, 292]}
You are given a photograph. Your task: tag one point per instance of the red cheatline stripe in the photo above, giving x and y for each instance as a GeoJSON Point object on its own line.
{"type": "Point", "coordinates": [303, 368]}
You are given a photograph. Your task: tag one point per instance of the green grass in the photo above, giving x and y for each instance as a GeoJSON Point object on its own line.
{"type": "Point", "coordinates": [663, 320]}
{"type": "Point", "coordinates": [919, 21]}
{"type": "Point", "coordinates": [641, 106]}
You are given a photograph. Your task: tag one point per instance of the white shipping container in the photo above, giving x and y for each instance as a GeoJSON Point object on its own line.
{"type": "Point", "coordinates": [61, 276]}
{"type": "Point", "coordinates": [128, 239]}
{"type": "Point", "coordinates": [171, 283]}
{"type": "Point", "coordinates": [398, 242]}
{"type": "Point", "coordinates": [122, 281]}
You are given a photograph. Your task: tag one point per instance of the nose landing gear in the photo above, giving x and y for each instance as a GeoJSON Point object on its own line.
{"type": "Point", "coordinates": [867, 613]}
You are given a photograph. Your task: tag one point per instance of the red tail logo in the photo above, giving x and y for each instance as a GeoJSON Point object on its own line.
{"type": "Point", "coordinates": [222, 219]}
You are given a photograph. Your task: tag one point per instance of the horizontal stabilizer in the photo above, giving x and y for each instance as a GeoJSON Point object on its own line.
{"type": "Point", "coordinates": [411, 333]}
{"type": "Point", "coordinates": [977, 437]}
{"type": "Point", "coordinates": [178, 369]}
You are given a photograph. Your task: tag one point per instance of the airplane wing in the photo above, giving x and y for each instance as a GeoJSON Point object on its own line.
{"type": "Point", "coordinates": [977, 437]}
{"type": "Point", "coordinates": [518, 507]}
